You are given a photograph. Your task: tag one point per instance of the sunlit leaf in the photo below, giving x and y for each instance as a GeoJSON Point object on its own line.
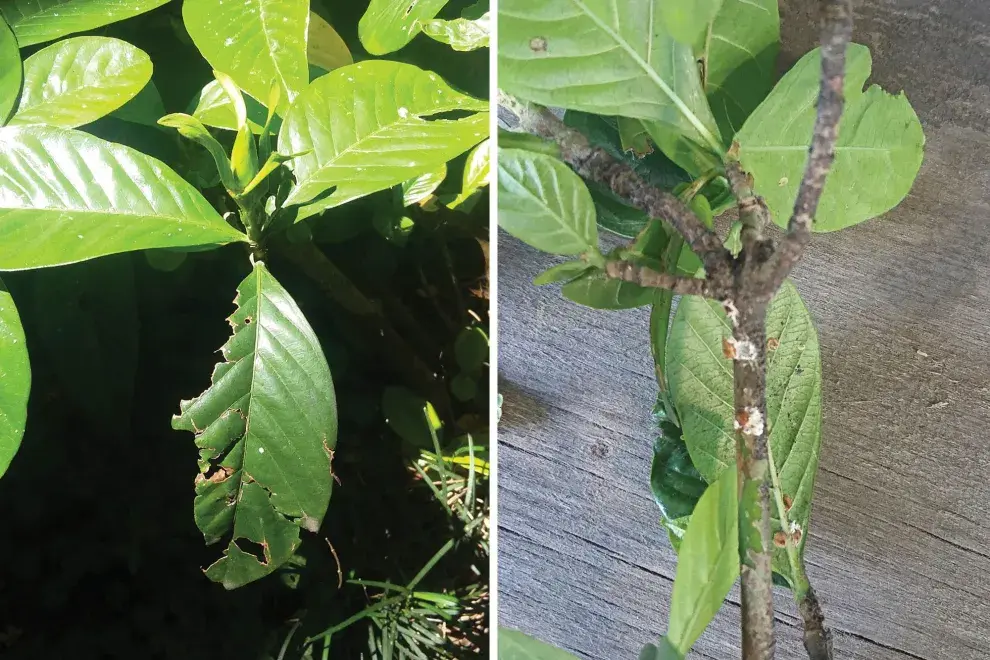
{"type": "Point", "coordinates": [214, 108]}
{"type": "Point", "coordinates": [66, 196]}
{"type": "Point", "coordinates": [416, 190]}
{"type": "Point", "coordinates": [266, 429]}
{"type": "Point", "coordinates": [687, 20]}
{"type": "Point", "coordinates": [37, 21]}
{"type": "Point", "coordinates": [15, 379]}
{"type": "Point", "coordinates": [370, 126]}
{"type": "Point", "coordinates": [477, 171]}
{"type": "Point", "coordinates": [462, 34]}
{"type": "Point", "coordinates": [325, 48]}
{"type": "Point", "coordinates": [388, 25]}
{"type": "Point", "coordinates": [11, 71]}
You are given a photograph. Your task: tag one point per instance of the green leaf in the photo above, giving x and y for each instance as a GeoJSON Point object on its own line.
{"type": "Point", "coordinates": [877, 155]}
{"type": "Point", "coordinates": [675, 482]}
{"type": "Point", "coordinates": [600, 292]}
{"type": "Point", "coordinates": [370, 126]}
{"type": "Point", "coordinates": [86, 320]}
{"type": "Point", "coordinates": [214, 108]}
{"type": "Point", "coordinates": [565, 272]}
{"type": "Point", "coordinates": [77, 81]}
{"type": "Point", "coordinates": [634, 137]}
{"type": "Point", "coordinates": [543, 203]}
{"type": "Point", "coordinates": [146, 108]}
{"type": "Point", "coordinates": [462, 34]}
{"type": "Point", "coordinates": [739, 57]}
{"type": "Point", "coordinates": [266, 429]}
{"type": "Point", "coordinates": [512, 140]}
{"type": "Point", "coordinates": [687, 20]}
{"type": "Point", "coordinates": [66, 196]}
{"type": "Point", "coordinates": [11, 71]}
{"type": "Point", "coordinates": [192, 129]}
{"type": "Point", "coordinates": [254, 42]}
{"type": "Point", "coordinates": [477, 171]}
{"type": "Point", "coordinates": [388, 25]}
{"type": "Point", "coordinates": [623, 64]}
{"type": "Point", "coordinates": [701, 386]}
{"type": "Point", "coordinates": [707, 565]}
{"type": "Point", "coordinates": [37, 21]}
{"type": "Point", "coordinates": [665, 651]}
{"type": "Point", "coordinates": [514, 645]}
{"type": "Point", "coordinates": [15, 380]}
{"type": "Point", "coordinates": [471, 349]}
{"type": "Point", "coordinates": [411, 417]}
{"type": "Point", "coordinates": [416, 190]}
{"type": "Point", "coordinates": [325, 48]}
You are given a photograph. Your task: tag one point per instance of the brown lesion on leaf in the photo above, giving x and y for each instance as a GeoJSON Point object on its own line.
{"type": "Point", "coordinates": [773, 344]}
{"type": "Point", "coordinates": [780, 539]}
{"type": "Point", "coordinates": [788, 502]}
{"type": "Point", "coordinates": [538, 44]}
{"type": "Point", "coordinates": [247, 320]}
{"type": "Point", "coordinates": [218, 476]}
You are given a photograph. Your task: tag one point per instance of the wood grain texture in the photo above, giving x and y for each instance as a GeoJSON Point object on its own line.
{"type": "Point", "coordinates": [899, 549]}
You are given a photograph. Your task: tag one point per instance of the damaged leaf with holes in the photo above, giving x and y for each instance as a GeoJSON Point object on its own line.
{"type": "Point", "coordinates": [266, 429]}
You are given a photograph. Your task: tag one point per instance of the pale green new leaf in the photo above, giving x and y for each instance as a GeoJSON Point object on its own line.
{"type": "Point", "coordinates": [416, 190]}
{"type": "Point", "coordinates": [191, 128]}
{"type": "Point", "coordinates": [477, 171]}
{"type": "Point", "coordinates": [543, 203]}
{"type": "Point", "coordinates": [707, 565]}
{"type": "Point", "coordinates": [462, 34]}
{"type": "Point", "coordinates": [514, 645]}
{"type": "Point", "coordinates": [388, 25]}
{"type": "Point", "coordinates": [214, 108]}
{"type": "Point", "coordinates": [66, 196]}
{"type": "Point", "coordinates": [11, 71]}
{"type": "Point", "coordinates": [687, 20]}
{"type": "Point", "coordinates": [76, 81]}
{"type": "Point", "coordinates": [738, 57]}
{"type": "Point", "coordinates": [877, 155]}
{"type": "Point", "coordinates": [368, 127]}
{"type": "Point", "coordinates": [15, 380]}
{"type": "Point", "coordinates": [700, 380]}
{"type": "Point", "coordinates": [37, 21]}
{"type": "Point", "coordinates": [266, 429]}
{"type": "Point", "coordinates": [254, 42]}
{"type": "Point", "coordinates": [607, 58]}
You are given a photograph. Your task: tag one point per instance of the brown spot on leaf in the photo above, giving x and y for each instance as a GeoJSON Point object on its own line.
{"type": "Point", "coordinates": [780, 539]}
{"type": "Point", "coordinates": [773, 344]}
{"type": "Point", "coordinates": [220, 475]}
{"type": "Point", "coordinates": [538, 45]}
{"type": "Point", "coordinates": [788, 502]}
{"type": "Point", "coordinates": [247, 320]}
{"type": "Point", "coordinates": [796, 536]}
{"type": "Point", "coordinates": [728, 349]}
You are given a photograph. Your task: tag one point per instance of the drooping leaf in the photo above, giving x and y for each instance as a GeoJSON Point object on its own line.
{"type": "Point", "coordinates": [78, 80]}
{"type": "Point", "coordinates": [11, 71]}
{"type": "Point", "coordinates": [738, 59]}
{"type": "Point", "coordinates": [877, 155]}
{"type": "Point", "coordinates": [66, 196]}
{"type": "Point", "coordinates": [700, 380]}
{"type": "Point", "coordinates": [266, 429]}
{"type": "Point", "coordinates": [146, 108]}
{"type": "Point", "coordinates": [87, 322]}
{"type": "Point", "coordinates": [543, 203]}
{"type": "Point", "coordinates": [687, 20]}
{"type": "Point", "coordinates": [623, 64]}
{"type": "Point", "coordinates": [370, 126]}
{"type": "Point", "coordinates": [37, 21]}
{"type": "Point", "coordinates": [191, 128]}
{"type": "Point", "coordinates": [254, 42]}
{"type": "Point", "coordinates": [477, 171]}
{"type": "Point", "coordinates": [462, 34]}
{"type": "Point", "coordinates": [600, 292]}
{"type": "Point", "coordinates": [565, 272]}
{"type": "Point", "coordinates": [514, 645]}
{"type": "Point", "coordinates": [324, 46]}
{"type": "Point", "coordinates": [388, 25]}
{"type": "Point", "coordinates": [416, 190]}
{"type": "Point", "coordinates": [214, 108]}
{"type": "Point", "coordinates": [707, 565]}
{"type": "Point", "coordinates": [15, 380]}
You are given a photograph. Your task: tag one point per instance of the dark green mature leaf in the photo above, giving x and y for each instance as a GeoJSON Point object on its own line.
{"type": "Point", "coordinates": [676, 483]}
{"type": "Point", "coordinates": [78, 80]}
{"type": "Point", "coordinates": [214, 108]}
{"type": "Point", "coordinates": [462, 34]}
{"type": "Point", "coordinates": [877, 155]}
{"type": "Point", "coordinates": [688, 20]}
{"type": "Point", "coordinates": [66, 196]}
{"type": "Point", "coordinates": [146, 108]}
{"type": "Point", "coordinates": [254, 42]}
{"type": "Point", "coordinates": [370, 126]}
{"type": "Point", "coordinates": [701, 386]}
{"type": "Point", "coordinates": [266, 429]}
{"type": "Point", "coordinates": [623, 64]}
{"type": "Point", "coordinates": [11, 71]}
{"type": "Point", "coordinates": [37, 21]}
{"type": "Point", "coordinates": [543, 203]}
{"type": "Point", "coordinates": [87, 321]}
{"type": "Point", "coordinates": [15, 380]}
{"type": "Point", "coordinates": [738, 57]}
{"type": "Point", "coordinates": [388, 25]}
{"type": "Point", "coordinates": [665, 651]}
{"type": "Point", "coordinates": [600, 292]}
{"type": "Point", "coordinates": [707, 565]}
{"type": "Point", "coordinates": [412, 417]}
{"type": "Point", "coordinates": [514, 645]}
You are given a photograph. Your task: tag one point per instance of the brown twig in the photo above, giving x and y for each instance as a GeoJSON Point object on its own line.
{"type": "Point", "coordinates": [685, 286]}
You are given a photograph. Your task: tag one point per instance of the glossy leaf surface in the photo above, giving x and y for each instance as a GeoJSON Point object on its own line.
{"type": "Point", "coordinates": [877, 155]}
{"type": "Point", "coordinates": [543, 203]}
{"type": "Point", "coordinates": [461, 33]}
{"type": "Point", "coordinates": [66, 196]}
{"type": "Point", "coordinates": [214, 108]}
{"type": "Point", "coordinates": [388, 25]}
{"type": "Point", "coordinates": [15, 379]}
{"type": "Point", "coordinates": [266, 429]}
{"type": "Point", "coordinates": [11, 71]}
{"type": "Point", "coordinates": [76, 81]}
{"type": "Point", "coordinates": [37, 21]}
{"type": "Point", "coordinates": [324, 46]}
{"type": "Point", "coordinates": [370, 126]}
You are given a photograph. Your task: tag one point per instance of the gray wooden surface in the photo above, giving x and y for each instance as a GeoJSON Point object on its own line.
{"type": "Point", "coordinates": [900, 547]}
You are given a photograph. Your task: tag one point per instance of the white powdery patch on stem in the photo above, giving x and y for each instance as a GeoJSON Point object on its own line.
{"type": "Point", "coordinates": [732, 312]}
{"type": "Point", "coordinates": [742, 349]}
{"type": "Point", "coordinates": [752, 424]}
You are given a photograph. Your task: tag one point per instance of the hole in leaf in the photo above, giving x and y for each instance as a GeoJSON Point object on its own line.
{"type": "Point", "coordinates": [449, 115]}
{"type": "Point", "coordinates": [257, 550]}
{"type": "Point", "coordinates": [410, 8]}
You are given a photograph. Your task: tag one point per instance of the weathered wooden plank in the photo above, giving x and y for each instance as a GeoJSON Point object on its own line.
{"type": "Point", "coordinates": [898, 548]}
